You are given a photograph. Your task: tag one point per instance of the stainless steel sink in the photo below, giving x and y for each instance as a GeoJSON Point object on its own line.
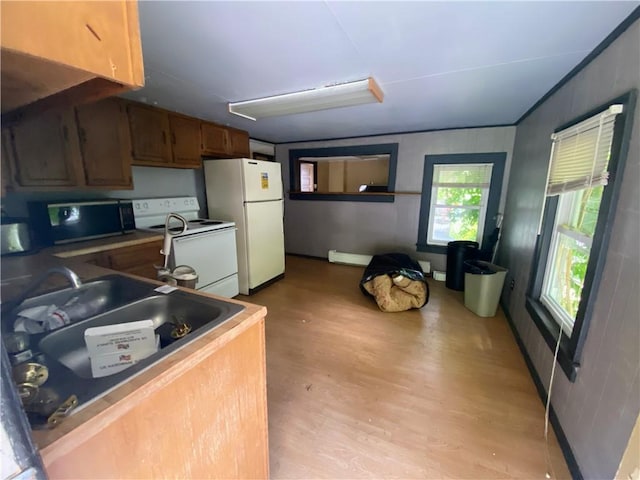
{"type": "Point", "coordinates": [110, 300]}
{"type": "Point", "coordinates": [67, 345]}
{"type": "Point", "coordinates": [91, 298]}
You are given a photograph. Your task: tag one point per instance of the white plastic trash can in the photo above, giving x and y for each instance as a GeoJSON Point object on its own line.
{"type": "Point", "coordinates": [483, 283]}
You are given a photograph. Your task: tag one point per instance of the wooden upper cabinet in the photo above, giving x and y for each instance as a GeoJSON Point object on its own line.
{"type": "Point", "coordinates": [185, 140]}
{"type": "Point", "coordinates": [45, 150]}
{"type": "Point", "coordinates": [220, 141]}
{"type": "Point", "coordinates": [150, 134]}
{"type": "Point", "coordinates": [105, 143]}
{"type": "Point", "coordinates": [214, 139]}
{"type": "Point", "coordinates": [238, 143]}
{"type": "Point", "coordinates": [81, 50]}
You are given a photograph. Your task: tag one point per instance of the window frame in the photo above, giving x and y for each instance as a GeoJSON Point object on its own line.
{"type": "Point", "coordinates": [497, 159]}
{"type": "Point", "coordinates": [570, 349]}
{"type": "Point", "coordinates": [566, 204]}
{"type": "Point", "coordinates": [390, 149]}
{"type": "Point", "coordinates": [482, 209]}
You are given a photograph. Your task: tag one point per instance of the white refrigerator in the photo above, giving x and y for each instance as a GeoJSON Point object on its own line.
{"type": "Point", "coordinates": [249, 192]}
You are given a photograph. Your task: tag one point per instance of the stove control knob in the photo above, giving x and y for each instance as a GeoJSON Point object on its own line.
{"type": "Point", "coordinates": [145, 205]}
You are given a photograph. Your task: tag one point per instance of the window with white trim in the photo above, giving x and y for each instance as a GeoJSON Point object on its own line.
{"type": "Point", "coordinates": [578, 171]}
{"type": "Point", "coordinates": [458, 207]}
{"type": "Point", "coordinates": [460, 199]}
{"type": "Point", "coordinates": [585, 167]}
{"type": "Point", "coordinates": [571, 242]}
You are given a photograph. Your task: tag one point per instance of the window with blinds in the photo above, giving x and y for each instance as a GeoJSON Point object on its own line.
{"type": "Point", "coordinates": [459, 194]}
{"type": "Point", "coordinates": [585, 176]}
{"type": "Point", "coordinates": [578, 172]}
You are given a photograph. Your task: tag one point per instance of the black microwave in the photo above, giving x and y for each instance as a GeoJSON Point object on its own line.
{"type": "Point", "coordinates": [54, 223]}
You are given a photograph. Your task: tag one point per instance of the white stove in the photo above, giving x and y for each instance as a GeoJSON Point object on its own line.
{"type": "Point", "coordinates": [150, 215]}
{"type": "Point", "coordinates": [207, 245]}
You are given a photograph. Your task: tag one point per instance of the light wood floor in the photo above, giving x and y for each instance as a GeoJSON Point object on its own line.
{"type": "Point", "coordinates": [357, 393]}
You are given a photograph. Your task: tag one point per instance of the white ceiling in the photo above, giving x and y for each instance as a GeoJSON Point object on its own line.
{"type": "Point", "coordinates": [440, 64]}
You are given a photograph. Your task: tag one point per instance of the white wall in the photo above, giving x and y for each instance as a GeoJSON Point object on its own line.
{"type": "Point", "coordinates": [258, 146]}
{"type": "Point", "coordinates": [315, 227]}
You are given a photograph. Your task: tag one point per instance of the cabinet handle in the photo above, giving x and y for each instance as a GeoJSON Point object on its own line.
{"type": "Point", "coordinates": [164, 138]}
{"type": "Point", "coordinates": [83, 135]}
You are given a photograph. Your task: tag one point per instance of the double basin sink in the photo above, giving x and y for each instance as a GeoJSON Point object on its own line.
{"type": "Point", "coordinates": [111, 300]}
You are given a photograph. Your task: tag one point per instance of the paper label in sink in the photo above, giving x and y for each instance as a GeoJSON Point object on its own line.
{"type": "Point", "coordinates": [111, 363]}
{"type": "Point", "coordinates": [120, 337]}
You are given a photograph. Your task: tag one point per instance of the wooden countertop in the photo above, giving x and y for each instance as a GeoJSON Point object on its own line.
{"type": "Point", "coordinates": [18, 270]}
{"type": "Point", "coordinates": [102, 244]}
{"type": "Point", "coordinates": [16, 273]}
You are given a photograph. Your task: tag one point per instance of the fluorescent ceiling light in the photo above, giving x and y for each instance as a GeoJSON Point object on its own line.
{"type": "Point", "coordinates": [335, 96]}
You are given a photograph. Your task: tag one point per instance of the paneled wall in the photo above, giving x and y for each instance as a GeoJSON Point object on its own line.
{"type": "Point", "coordinates": [598, 411]}
{"type": "Point", "coordinates": [315, 227]}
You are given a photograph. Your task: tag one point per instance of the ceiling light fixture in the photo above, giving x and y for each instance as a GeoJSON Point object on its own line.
{"type": "Point", "coordinates": [334, 96]}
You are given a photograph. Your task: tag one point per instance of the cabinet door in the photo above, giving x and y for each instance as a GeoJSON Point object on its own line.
{"type": "Point", "coordinates": [99, 259]}
{"type": "Point", "coordinates": [105, 143]}
{"type": "Point", "coordinates": [214, 139]}
{"type": "Point", "coordinates": [229, 375]}
{"type": "Point", "coordinates": [238, 143]}
{"type": "Point", "coordinates": [92, 50]}
{"type": "Point", "coordinates": [102, 38]}
{"type": "Point", "coordinates": [185, 141]}
{"type": "Point", "coordinates": [46, 151]}
{"type": "Point", "coordinates": [149, 134]}
{"type": "Point", "coordinates": [137, 259]}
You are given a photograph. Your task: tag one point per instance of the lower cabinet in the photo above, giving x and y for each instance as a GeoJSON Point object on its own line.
{"type": "Point", "coordinates": [135, 259]}
{"type": "Point", "coordinates": [204, 418]}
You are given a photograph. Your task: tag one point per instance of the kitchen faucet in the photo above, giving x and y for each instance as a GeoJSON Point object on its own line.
{"type": "Point", "coordinates": [166, 244]}
{"type": "Point", "coordinates": [69, 274]}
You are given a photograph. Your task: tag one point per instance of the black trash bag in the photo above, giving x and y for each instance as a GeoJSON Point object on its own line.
{"type": "Point", "coordinates": [394, 264]}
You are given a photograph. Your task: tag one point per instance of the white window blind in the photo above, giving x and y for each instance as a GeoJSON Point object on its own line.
{"type": "Point", "coordinates": [580, 153]}
{"type": "Point", "coordinates": [462, 175]}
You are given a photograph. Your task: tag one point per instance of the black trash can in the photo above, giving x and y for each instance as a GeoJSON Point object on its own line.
{"type": "Point", "coordinates": [459, 252]}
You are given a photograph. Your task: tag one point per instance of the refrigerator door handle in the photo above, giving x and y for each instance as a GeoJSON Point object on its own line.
{"type": "Point", "coordinates": [262, 201]}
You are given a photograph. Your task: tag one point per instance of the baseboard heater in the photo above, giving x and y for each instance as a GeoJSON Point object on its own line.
{"type": "Point", "coordinates": [363, 260]}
